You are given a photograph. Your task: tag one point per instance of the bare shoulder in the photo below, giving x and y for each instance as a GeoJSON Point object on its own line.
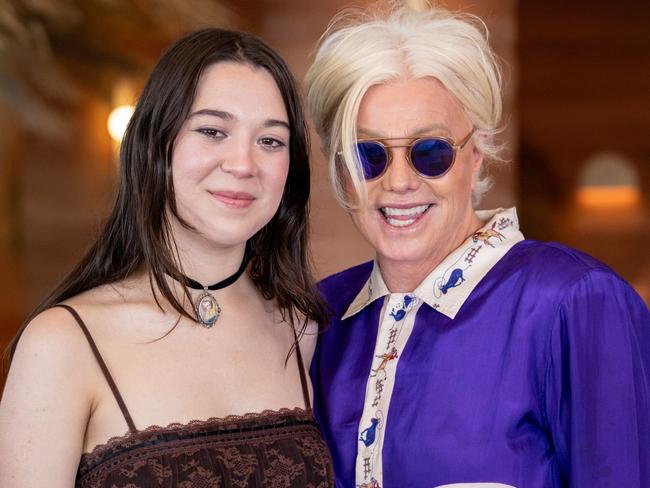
{"type": "Point", "coordinates": [57, 330]}
{"type": "Point", "coordinates": [308, 342]}
{"type": "Point", "coordinates": [119, 313]}
{"type": "Point", "coordinates": [52, 355]}
{"type": "Point", "coordinates": [46, 402]}
{"type": "Point", "coordinates": [53, 336]}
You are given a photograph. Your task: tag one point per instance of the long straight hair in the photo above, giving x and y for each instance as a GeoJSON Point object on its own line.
{"type": "Point", "coordinates": [137, 233]}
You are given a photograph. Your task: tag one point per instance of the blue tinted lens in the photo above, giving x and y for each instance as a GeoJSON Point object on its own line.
{"type": "Point", "coordinates": [432, 157]}
{"type": "Point", "coordinates": [373, 158]}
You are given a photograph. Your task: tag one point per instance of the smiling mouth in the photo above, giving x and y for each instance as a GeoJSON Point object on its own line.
{"type": "Point", "coordinates": [403, 217]}
{"type": "Point", "coordinates": [237, 200]}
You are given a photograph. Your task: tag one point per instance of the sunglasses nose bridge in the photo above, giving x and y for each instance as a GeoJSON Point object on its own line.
{"type": "Point", "coordinates": [400, 175]}
{"type": "Point", "coordinates": [401, 154]}
{"type": "Point", "coordinates": [399, 150]}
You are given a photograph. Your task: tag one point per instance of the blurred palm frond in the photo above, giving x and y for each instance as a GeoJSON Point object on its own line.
{"type": "Point", "coordinates": [53, 52]}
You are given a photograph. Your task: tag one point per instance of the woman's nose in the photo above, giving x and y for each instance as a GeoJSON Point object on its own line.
{"type": "Point", "coordinates": [400, 177]}
{"type": "Point", "coordinates": [240, 162]}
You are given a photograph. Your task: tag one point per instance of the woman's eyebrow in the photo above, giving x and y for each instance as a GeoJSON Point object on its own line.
{"type": "Point", "coordinates": [411, 134]}
{"type": "Point", "coordinates": [222, 114]}
{"type": "Point", "coordinates": [276, 123]}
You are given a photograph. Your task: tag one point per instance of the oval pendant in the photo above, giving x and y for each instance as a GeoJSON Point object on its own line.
{"type": "Point", "coordinates": [207, 309]}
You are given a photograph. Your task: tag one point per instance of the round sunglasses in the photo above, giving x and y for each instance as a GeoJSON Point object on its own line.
{"type": "Point", "coordinates": [430, 157]}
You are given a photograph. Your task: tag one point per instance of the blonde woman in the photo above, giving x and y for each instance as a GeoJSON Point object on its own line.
{"type": "Point", "coordinates": [463, 353]}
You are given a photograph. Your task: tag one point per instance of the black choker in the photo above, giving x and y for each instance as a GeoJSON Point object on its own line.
{"type": "Point", "coordinates": [206, 307]}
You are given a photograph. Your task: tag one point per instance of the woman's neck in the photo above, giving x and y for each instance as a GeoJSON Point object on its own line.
{"type": "Point", "coordinates": [210, 265]}
{"type": "Point", "coordinates": [202, 260]}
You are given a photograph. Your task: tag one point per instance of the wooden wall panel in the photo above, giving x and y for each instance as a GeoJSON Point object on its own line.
{"type": "Point", "coordinates": [584, 88]}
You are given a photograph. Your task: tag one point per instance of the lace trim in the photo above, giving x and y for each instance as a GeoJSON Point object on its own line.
{"type": "Point", "coordinates": [131, 437]}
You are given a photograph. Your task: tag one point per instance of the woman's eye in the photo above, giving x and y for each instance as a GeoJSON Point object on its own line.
{"type": "Point", "coordinates": [213, 133]}
{"type": "Point", "coordinates": [271, 142]}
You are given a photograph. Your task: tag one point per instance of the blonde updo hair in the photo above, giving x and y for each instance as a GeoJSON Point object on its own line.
{"type": "Point", "coordinates": [362, 49]}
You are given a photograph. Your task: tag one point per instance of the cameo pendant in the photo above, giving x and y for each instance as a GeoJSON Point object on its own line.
{"type": "Point", "coordinates": [207, 309]}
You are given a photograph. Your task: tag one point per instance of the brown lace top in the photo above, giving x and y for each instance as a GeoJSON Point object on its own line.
{"type": "Point", "coordinates": [268, 449]}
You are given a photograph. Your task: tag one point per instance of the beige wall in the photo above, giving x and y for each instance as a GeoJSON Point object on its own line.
{"type": "Point", "coordinates": [11, 263]}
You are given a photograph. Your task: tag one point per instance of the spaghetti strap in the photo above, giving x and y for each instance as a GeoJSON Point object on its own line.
{"type": "Point", "coordinates": [102, 365]}
{"type": "Point", "coordinates": [303, 376]}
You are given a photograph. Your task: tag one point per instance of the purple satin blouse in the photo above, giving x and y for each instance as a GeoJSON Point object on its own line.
{"type": "Point", "coordinates": [542, 379]}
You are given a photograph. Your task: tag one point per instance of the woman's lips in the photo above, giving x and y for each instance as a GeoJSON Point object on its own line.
{"type": "Point", "coordinates": [400, 217]}
{"type": "Point", "coordinates": [234, 199]}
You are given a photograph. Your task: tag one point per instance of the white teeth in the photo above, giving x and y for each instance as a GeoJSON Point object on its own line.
{"type": "Point", "coordinates": [399, 223]}
{"type": "Point", "coordinates": [388, 211]}
{"type": "Point", "coordinates": [396, 213]}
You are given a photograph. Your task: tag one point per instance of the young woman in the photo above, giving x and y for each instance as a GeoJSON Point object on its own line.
{"type": "Point", "coordinates": [178, 322]}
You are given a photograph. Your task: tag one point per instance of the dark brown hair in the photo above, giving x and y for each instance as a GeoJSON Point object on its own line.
{"type": "Point", "coordinates": [137, 232]}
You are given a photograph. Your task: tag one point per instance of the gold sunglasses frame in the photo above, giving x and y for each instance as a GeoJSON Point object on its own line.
{"type": "Point", "coordinates": [455, 147]}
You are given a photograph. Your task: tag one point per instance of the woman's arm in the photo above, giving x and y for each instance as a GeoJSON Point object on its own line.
{"type": "Point", "coordinates": [598, 384]}
{"type": "Point", "coordinates": [46, 404]}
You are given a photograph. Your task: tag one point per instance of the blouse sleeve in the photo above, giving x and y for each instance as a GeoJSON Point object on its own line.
{"type": "Point", "coordinates": [597, 394]}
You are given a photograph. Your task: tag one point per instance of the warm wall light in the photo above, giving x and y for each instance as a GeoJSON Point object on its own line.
{"type": "Point", "coordinates": [118, 120]}
{"type": "Point", "coordinates": [608, 196]}
{"type": "Point", "coordinates": [608, 180]}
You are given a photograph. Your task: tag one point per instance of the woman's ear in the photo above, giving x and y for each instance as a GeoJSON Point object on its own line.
{"type": "Point", "coordinates": [476, 162]}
